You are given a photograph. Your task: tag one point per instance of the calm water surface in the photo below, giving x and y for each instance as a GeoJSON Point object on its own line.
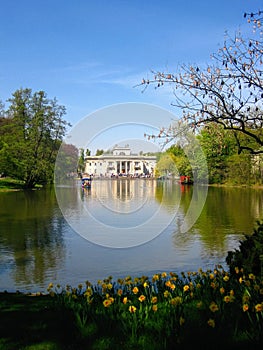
{"type": "Point", "coordinates": [39, 245]}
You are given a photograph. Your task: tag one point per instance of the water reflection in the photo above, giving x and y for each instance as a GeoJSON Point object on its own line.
{"type": "Point", "coordinates": [31, 242]}
{"type": "Point", "coordinates": [37, 245]}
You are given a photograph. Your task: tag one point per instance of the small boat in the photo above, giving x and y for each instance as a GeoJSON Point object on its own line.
{"type": "Point", "coordinates": [185, 180]}
{"type": "Point", "coordinates": [86, 182]}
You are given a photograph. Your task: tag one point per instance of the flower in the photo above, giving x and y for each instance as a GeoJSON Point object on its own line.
{"type": "Point", "coordinates": [135, 290]}
{"type": "Point", "coordinates": [125, 300]}
{"type": "Point", "coordinates": [106, 303]}
{"type": "Point", "coordinates": [132, 309]}
{"type": "Point", "coordinates": [155, 277]}
{"type": "Point", "coordinates": [226, 278]}
{"type": "Point", "coordinates": [164, 274]}
{"type": "Point", "coordinates": [166, 294]}
{"type": "Point", "coordinates": [245, 307]}
{"type": "Point", "coordinates": [222, 290]}
{"type": "Point", "coordinates": [186, 288]}
{"type": "Point", "coordinates": [155, 308]}
{"type": "Point", "coordinates": [199, 304]}
{"type": "Point", "coordinates": [211, 323]}
{"type": "Point", "coordinates": [142, 298]}
{"type": "Point", "coordinates": [88, 292]}
{"type": "Point", "coordinates": [50, 286]}
{"type": "Point", "coordinates": [251, 276]}
{"type": "Point", "coordinates": [154, 300]}
{"type": "Point", "coordinates": [213, 285]}
{"type": "Point", "coordinates": [176, 301]}
{"type": "Point", "coordinates": [259, 307]}
{"type": "Point", "coordinates": [119, 292]}
{"type": "Point", "coordinates": [227, 299]}
{"type": "Point", "coordinates": [213, 307]}
{"type": "Point", "coordinates": [181, 321]}
{"type": "Point", "coordinates": [88, 283]}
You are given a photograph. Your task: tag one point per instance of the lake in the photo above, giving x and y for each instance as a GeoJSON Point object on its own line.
{"type": "Point", "coordinates": [68, 235]}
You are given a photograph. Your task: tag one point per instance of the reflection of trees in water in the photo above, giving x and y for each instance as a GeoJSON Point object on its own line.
{"type": "Point", "coordinates": [33, 233]}
{"type": "Point", "coordinates": [168, 193]}
{"type": "Point", "coordinates": [228, 213]}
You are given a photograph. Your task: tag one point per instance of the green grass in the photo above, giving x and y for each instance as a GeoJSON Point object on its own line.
{"type": "Point", "coordinates": [7, 184]}
{"type": "Point", "coordinates": [29, 322]}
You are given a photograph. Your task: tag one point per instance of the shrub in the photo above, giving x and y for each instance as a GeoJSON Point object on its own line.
{"type": "Point", "coordinates": [249, 255]}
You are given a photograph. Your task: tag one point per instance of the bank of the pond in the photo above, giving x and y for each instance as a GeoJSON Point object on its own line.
{"type": "Point", "coordinates": [166, 311]}
{"type": "Point", "coordinates": [10, 184]}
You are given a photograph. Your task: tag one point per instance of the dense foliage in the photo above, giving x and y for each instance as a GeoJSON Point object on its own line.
{"type": "Point", "coordinates": [224, 163]}
{"type": "Point", "coordinates": [31, 131]}
{"type": "Point", "coordinates": [249, 255]}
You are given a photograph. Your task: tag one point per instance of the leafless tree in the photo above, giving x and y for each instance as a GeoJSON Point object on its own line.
{"type": "Point", "coordinates": [229, 91]}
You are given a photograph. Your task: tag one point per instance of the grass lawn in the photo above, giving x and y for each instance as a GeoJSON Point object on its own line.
{"type": "Point", "coordinates": [7, 184]}
{"type": "Point", "coordinates": [29, 322]}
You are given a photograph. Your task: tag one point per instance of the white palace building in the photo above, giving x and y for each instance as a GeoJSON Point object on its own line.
{"type": "Point", "coordinates": [120, 162]}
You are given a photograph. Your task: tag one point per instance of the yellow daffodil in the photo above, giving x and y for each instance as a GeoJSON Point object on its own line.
{"type": "Point", "coordinates": [142, 298]}
{"type": "Point", "coordinates": [181, 321]}
{"type": "Point", "coordinates": [119, 292]}
{"type": "Point", "coordinates": [245, 307]}
{"type": "Point", "coordinates": [186, 288]}
{"type": "Point", "coordinates": [176, 301]}
{"type": "Point", "coordinates": [132, 309]}
{"type": "Point", "coordinates": [227, 299]}
{"type": "Point", "coordinates": [135, 290]}
{"type": "Point", "coordinates": [211, 323]}
{"type": "Point", "coordinates": [259, 307]}
{"type": "Point", "coordinates": [166, 294]}
{"type": "Point", "coordinates": [213, 307]}
{"type": "Point", "coordinates": [154, 300]}
{"type": "Point", "coordinates": [154, 307]}
{"type": "Point", "coordinates": [222, 290]}
{"type": "Point", "coordinates": [106, 303]}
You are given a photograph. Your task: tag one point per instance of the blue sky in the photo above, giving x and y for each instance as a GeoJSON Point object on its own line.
{"type": "Point", "coordinates": [90, 54]}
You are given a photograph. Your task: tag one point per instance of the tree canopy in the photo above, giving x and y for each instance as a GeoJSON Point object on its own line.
{"type": "Point", "coordinates": [31, 133]}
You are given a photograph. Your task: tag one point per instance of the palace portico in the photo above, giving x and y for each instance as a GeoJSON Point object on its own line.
{"type": "Point", "coordinates": [120, 162]}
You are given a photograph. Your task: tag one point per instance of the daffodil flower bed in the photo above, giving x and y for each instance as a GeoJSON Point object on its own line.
{"type": "Point", "coordinates": [167, 310]}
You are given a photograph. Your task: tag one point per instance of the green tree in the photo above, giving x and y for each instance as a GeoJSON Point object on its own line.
{"type": "Point", "coordinates": [99, 152]}
{"type": "Point", "coordinates": [180, 159]}
{"type": "Point", "coordinates": [217, 144]}
{"type": "Point", "coordinates": [166, 165]}
{"type": "Point", "coordinates": [81, 164]}
{"type": "Point", "coordinates": [67, 161]}
{"type": "Point", "coordinates": [32, 135]}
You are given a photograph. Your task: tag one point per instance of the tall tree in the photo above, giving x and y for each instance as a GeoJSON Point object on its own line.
{"type": "Point", "coordinates": [228, 92]}
{"type": "Point", "coordinates": [33, 133]}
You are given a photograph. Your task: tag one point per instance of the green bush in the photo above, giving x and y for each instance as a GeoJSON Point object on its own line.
{"type": "Point", "coordinates": [249, 255]}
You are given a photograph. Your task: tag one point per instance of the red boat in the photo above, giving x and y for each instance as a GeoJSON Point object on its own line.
{"type": "Point", "coordinates": [185, 180]}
